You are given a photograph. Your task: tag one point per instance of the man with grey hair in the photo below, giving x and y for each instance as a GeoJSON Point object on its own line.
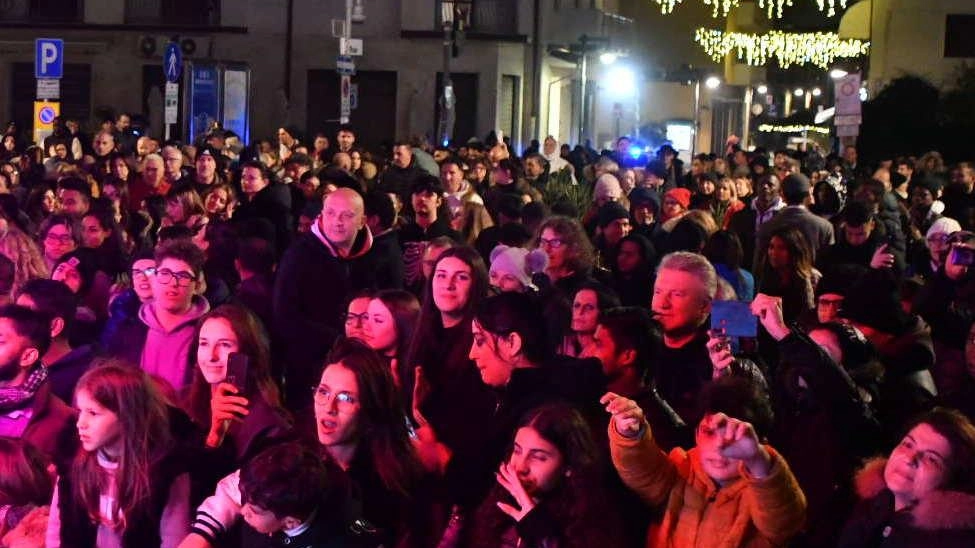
{"type": "Point", "coordinates": [173, 162]}
{"type": "Point", "coordinates": [685, 287]}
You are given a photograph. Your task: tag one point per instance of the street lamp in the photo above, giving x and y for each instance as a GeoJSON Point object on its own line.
{"type": "Point", "coordinates": [799, 92]}
{"type": "Point", "coordinates": [763, 89]}
{"type": "Point", "coordinates": [712, 82]}
{"type": "Point", "coordinates": [817, 92]}
{"type": "Point", "coordinates": [837, 73]}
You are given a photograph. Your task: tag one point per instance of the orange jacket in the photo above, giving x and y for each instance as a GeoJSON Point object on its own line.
{"type": "Point", "coordinates": [697, 514]}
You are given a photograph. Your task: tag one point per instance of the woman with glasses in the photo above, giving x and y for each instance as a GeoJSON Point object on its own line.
{"type": "Point", "coordinates": [129, 294]}
{"type": "Point", "coordinates": [570, 253]}
{"type": "Point", "coordinates": [360, 428]}
{"type": "Point", "coordinates": [59, 234]}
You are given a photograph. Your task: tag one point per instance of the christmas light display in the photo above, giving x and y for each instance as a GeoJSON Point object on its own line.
{"type": "Point", "coordinates": [817, 48]}
{"type": "Point", "coordinates": [772, 7]}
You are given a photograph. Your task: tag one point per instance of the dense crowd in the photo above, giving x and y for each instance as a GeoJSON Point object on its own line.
{"type": "Point", "coordinates": [301, 342]}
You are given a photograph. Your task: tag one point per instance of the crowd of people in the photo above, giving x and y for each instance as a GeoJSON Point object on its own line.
{"type": "Point", "coordinates": [301, 342]}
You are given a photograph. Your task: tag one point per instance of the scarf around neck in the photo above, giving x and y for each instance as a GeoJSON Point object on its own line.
{"type": "Point", "coordinates": [14, 397]}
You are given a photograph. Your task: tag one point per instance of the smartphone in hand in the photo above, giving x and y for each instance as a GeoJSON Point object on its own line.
{"type": "Point", "coordinates": [237, 365]}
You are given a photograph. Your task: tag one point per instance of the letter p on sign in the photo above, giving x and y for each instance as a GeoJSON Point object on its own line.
{"type": "Point", "coordinates": [49, 58]}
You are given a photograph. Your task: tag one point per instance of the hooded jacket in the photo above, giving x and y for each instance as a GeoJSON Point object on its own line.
{"type": "Point", "coordinates": [313, 282]}
{"type": "Point", "coordinates": [748, 512]}
{"type": "Point", "coordinates": [165, 353]}
{"type": "Point", "coordinates": [944, 518]}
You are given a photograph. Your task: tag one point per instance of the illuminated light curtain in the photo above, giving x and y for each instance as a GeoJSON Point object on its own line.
{"type": "Point", "coordinates": [721, 8]}
{"type": "Point", "coordinates": [817, 48]}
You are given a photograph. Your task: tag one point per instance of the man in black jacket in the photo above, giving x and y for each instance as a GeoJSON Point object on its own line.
{"type": "Point", "coordinates": [401, 173]}
{"type": "Point", "coordinates": [264, 199]}
{"type": "Point", "coordinates": [313, 282]}
{"type": "Point", "coordinates": [386, 250]}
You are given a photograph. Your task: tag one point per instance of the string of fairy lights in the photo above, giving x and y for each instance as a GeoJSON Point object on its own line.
{"type": "Point", "coordinates": [793, 48]}
{"type": "Point", "coordinates": [721, 8]}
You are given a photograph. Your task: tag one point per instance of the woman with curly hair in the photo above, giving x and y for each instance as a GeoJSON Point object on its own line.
{"type": "Point", "coordinates": [570, 253]}
{"type": "Point", "coordinates": [24, 253]}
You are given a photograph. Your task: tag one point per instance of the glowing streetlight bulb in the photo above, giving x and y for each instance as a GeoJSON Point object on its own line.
{"type": "Point", "coordinates": [713, 82]}
{"type": "Point", "coordinates": [817, 92]}
{"type": "Point", "coordinates": [763, 89]}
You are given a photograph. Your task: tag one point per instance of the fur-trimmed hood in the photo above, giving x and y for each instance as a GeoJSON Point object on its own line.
{"type": "Point", "coordinates": [940, 510]}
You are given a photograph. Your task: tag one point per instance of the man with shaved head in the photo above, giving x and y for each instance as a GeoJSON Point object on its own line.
{"type": "Point", "coordinates": [314, 279]}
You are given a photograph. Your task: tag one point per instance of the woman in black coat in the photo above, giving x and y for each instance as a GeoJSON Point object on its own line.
{"type": "Point", "coordinates": [923, 495]}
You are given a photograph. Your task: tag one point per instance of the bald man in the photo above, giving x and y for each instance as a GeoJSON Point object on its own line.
{"type": "Point", "coordinates": [315, 278]}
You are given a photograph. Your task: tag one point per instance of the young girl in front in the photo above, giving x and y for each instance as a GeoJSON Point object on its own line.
{"type": "Point", "coordinates": [128, 486]}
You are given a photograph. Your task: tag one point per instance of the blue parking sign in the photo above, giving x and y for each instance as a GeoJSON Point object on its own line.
{"type": "Point", "coordinates": [49, 58]}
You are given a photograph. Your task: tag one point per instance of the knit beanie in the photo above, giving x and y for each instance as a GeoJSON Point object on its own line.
{"type": "Point", "coordinates": [518, 262]}
{"type": "Point", "coordinates": [943, 225]}
{"type": "Point", "coordinates": [681, 195]}
{"type": "Point", "coordinates": [611, 211]}
{"type": "Point", "coordinates": [607, 186]}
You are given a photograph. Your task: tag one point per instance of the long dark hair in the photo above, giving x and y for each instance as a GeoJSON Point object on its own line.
{"type": "Point", "coordinates": [252, 342]}
{"type": "Point", "coordinates": [509, 313]}
{"type": "Point", "coordinates": [800, 254]}
{"type": "Point", "coordinates": [578, 504]}
{"type": "Point", "coordinates": [144, 425]}
{"type": "Point", "coordinates": [405, 310]}
{"type": "Point", "coordinates": [430, 320]}
{"type": "Point", "coordinates": [381, 424]}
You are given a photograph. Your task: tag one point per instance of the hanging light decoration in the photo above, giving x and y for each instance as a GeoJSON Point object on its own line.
{"type": "Point", "coordinates": [794, 48]}
{"type": "Point", "coordinates": [721, 8]}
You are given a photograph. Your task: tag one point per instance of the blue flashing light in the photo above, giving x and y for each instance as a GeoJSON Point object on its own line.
{"type": "Point", "coordinates": [635, 151]}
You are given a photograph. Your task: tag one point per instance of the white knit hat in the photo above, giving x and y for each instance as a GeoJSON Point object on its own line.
{"type": "Point", "coordinates": [518, 262]}
{"type": "Point", "coordinates": [944, 225]}
{"type": "Point", "coordinates": [607, 186]}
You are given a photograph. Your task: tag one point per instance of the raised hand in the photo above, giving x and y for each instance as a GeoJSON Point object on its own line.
{"type": "Point", "coordinates": [509, 480]}
{"type": "Point", "coordinates": [769, 312]}
{"type": "Point", "coordinates": [628, 418]}
{"type": "Point", "coordinates": [225, 406]}
{"type": "Point", "coordinates": [739, 441]}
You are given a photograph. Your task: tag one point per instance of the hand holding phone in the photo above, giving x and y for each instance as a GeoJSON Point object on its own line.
{"type": "Point", "coordinates": [237, 365]}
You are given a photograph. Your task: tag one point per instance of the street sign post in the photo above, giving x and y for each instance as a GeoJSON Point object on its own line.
{"type": "Point", "coordinates": [48, 58]}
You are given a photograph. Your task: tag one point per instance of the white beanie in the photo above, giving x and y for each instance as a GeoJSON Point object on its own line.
{"type": "Point", "coordinates": [518, 262]}
{"type": "Point", "coordinates": [944, 225]}
{"type": "Point", "coordinates": [607, 186]}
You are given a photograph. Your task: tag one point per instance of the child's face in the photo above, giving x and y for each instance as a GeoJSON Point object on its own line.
{"type": "Point", "coordinates": [263, 521]}
{"type": "Point", "coordinates": [709, 444]}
